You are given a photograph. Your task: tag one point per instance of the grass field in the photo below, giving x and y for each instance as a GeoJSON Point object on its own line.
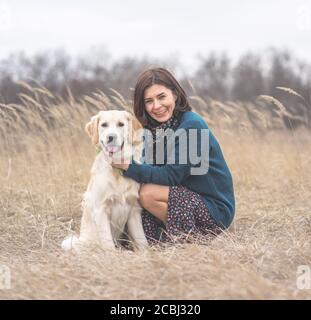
{"type": "Point", "coordinates": [44, 169]}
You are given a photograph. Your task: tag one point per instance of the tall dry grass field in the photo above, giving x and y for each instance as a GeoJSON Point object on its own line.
{"type": "Point", "coordinates": [44, 169]}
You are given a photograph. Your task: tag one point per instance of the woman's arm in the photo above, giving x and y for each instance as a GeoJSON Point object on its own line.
{"type": "Point", "coordinates": [169, 174]}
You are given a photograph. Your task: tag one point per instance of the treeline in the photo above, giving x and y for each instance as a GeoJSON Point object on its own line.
{"type": "Point", "coordinates": [216, 75]}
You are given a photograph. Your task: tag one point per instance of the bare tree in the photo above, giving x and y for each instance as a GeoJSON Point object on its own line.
{"type": "Point", "coordinates": [213, 76]}
{"type": "Point", "coordinates": [248, 78]}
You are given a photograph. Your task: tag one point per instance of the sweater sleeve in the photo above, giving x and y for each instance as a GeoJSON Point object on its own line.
{"type": "Point", "coordinates": [168, 174]}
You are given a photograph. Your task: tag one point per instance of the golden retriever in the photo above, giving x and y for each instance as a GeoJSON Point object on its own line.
{"type": "Point", "coordinates": [111, 201]}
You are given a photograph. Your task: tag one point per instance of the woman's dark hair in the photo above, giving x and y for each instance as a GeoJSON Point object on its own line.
{"type": "Point", "coordinates": [159, 76]}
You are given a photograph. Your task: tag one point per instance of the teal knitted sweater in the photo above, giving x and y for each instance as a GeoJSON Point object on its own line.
{"type": "Point", "coordinates": [215, 185]}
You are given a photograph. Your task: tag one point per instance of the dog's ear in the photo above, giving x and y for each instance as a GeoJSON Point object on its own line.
{"type": "Point", "coordinates": [91, 128]}
{"type": "Point", "coordinates": [136, 129]}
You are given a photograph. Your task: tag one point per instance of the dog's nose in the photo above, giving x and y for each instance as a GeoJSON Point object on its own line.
{"type": "Point", "coordinates": [111, 138]}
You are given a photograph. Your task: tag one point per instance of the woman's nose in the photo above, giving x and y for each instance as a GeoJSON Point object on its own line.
{"type": "Point", "coordinates": [156, 104]}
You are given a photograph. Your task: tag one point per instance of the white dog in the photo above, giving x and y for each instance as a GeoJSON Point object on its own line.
{"type": "Point", "coordinates": [111, 200]}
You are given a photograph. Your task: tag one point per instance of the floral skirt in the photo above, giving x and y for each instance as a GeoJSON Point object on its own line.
{"type": "Point", "coordinates": [187, 216]}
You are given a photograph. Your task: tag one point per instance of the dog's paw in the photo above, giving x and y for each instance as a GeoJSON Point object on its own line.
{"type": "Point", "coordinates": [141, 246]}
{"type": "Point", "coordinates": [69, 242]}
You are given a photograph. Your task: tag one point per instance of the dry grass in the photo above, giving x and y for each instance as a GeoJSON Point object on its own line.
{"type": "Point", "coordinates": [44, 169]}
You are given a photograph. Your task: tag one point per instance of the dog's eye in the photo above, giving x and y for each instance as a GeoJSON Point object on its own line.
{"type": "Point", "coordinates": [120, 124]}
{"type": "Point", "coordinates": [104, 124]}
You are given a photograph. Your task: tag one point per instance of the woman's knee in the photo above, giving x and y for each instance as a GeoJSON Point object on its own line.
{"type": "Point", "coordinates": [145, 195]}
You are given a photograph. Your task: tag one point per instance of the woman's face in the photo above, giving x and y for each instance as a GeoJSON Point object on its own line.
{"type": "Point", "coordinates": [159, 102]}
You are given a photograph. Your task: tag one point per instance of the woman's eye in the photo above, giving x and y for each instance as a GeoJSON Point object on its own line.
{"type": "Point", "coordinates": [120, 124]}
{"type": "Point", "coordinates": [104, 124]}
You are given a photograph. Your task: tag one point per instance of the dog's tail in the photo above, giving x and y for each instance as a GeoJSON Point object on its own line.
{"type": "Point", "coordinates": [70, 242]}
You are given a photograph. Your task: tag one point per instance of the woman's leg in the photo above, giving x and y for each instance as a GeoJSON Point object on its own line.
{"type": "Point", "coordinates": [183, 212]}
{"type": "Point", "coordinates": [154, 198]}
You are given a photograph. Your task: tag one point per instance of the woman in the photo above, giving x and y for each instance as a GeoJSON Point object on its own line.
{"type": "Point", "coordinates": [174, 199]}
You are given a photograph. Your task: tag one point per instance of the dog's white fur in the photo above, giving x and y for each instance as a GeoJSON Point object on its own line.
{"type": "Point", "coordinates": [111, 200]}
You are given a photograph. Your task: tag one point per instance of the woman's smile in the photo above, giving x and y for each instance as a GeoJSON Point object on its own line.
{"type": "Point", "coordinates": [160, 113]}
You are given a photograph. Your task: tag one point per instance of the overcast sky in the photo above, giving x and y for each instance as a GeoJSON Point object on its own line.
{"type": "Point", "coordinates": [158, 28]}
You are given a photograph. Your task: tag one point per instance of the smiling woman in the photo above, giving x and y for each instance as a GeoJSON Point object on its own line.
{"type": "Point", "coordinates": [177, 202]}
{"type": "Point", "coordinates": [157, 95]}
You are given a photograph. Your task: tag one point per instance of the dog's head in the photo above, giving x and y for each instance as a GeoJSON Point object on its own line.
{"type": "Point", "coordinates": [113, 130]}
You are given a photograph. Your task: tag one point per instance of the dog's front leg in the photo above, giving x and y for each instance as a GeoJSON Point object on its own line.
{"type": "Point", "coordinates": [135, 228]}
{"type": "Point", "coordinates": [104, 229]}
